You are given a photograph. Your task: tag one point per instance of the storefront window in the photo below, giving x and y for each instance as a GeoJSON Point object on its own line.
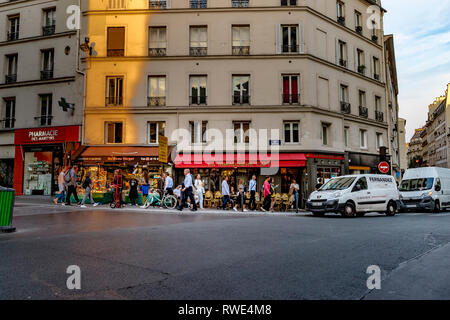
{"type": "Point", "coordinates": [38, 173]}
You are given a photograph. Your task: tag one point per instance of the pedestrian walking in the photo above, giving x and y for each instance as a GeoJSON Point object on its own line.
{"type": "Point", "coordinates": [61, 197]}
{"type": "Point", "coordinates": [240, 200]}
{"type": "Point", "coordinates": [266, 194]}
{"type": "Point", "coordinates": [70, 183]}
{"type": "Point", "coordinates": [273, 195]}
{"type": "Point", "coordinates": [133, 194]}
{"type": "Point", "coordinates": [87, 186]}
{"type": "Point", "coordinates": [252, 189]}
{"type": "Point", "coordinates": [117, 186]}
{"type": "Point", "coordinates": [168, 184]}
{"type": "Point", "coordinates": [145, 185]}
{"type": "Point", "coordinates": [199, 189]}
{"type": "Point", "coordinates": [225, 193]}
{"type": "Point", "coordinates": [294, 189]}
{"type": "Point", "coordinates": [188, 190]}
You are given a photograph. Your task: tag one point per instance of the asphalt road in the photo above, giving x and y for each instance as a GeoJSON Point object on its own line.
{"type": "Point", "coordinates": [126, 254]}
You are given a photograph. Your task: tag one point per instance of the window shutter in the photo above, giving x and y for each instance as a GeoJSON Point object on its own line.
{"type": "Point", "coordinates": [356, 59]}
{"type": "Point", "coordinates": [116, 38]}
{"type": "Point", "coordinates": [372, 67]}
{"type": "Point", "coordinates": [347, 46]}
{"type": "Point", "coordinates": [169, 4]}
{"type": "Point", "coordinates": [301, 38]}
{"type": "Point", "coordinates": [278, 38]}
{"type": "Point", "coordinates": [337, 51]}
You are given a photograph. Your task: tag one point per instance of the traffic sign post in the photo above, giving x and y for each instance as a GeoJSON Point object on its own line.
{"type": "Point", "coordinates": [384, 167]}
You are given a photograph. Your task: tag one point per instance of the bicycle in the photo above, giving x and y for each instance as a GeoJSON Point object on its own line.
{"type": "Point", "coordinates": [168, 201]}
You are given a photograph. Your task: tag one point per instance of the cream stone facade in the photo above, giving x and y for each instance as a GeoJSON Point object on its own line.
{"type": "Point", "coordinates": [322, 53]}
{"type": "Point", "coordinates": [38, 67]}
{"type": "Point", "coordinates": [402, 144]}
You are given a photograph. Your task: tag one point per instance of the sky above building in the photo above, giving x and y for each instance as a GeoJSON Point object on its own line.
{"type": "Point", "coordinates": [422, 47]}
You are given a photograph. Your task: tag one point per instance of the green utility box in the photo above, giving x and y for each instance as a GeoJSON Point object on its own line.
{"type": "Point", "coordinates": [7, 197]}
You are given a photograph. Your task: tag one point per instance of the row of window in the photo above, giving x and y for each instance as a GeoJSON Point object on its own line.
{"type": "Point", "coordinates": [45, 111]}
{"type": "Point", "coordinates": [47, 65]}
{"type": "Point", "coordinates": [289, 41]}
{"type": "Point", "coordinates": [198, 133]}
{"type": "Point", "coordinates": [240, 95]}
{"type": "Point", "coordinates": [48, 24]}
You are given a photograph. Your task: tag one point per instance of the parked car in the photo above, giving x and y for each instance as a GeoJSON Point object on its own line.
{"type": "Point", "coordinates": [425, 189]}
{"type": "Point", "coordinates": [356, 195]}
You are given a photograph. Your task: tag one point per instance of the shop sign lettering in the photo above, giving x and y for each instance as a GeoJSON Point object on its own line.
{"type": "Point", "coordinates": [42, 135]}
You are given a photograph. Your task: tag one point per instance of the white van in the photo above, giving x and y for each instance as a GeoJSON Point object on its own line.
{"type": "Point", "coordinates": [425, 189]}
{"type": "Point", "coordinates": [356, 195]}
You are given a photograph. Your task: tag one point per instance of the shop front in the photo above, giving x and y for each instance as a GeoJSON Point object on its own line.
{"type": "Point", "coordinates": [360, 163]}
{"type": "Point", "coordinates": [283, 168]}
{"type": "Point", "coordinates": [140, 163]}
{"type": "Point", "coordinates": [321, 168]}
{"type": "Point", "coordinates": [40, 154]}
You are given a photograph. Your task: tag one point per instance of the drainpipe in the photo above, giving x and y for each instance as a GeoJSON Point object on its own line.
{"type": "Point", "coordinates": [79, 71]}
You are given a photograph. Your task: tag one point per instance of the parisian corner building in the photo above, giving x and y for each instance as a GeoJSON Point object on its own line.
{"type": "Point", "coordinates": [229, 83]}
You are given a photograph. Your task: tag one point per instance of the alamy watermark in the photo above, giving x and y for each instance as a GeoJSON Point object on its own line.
{"type": "Point", "coordinates": [74, 280]}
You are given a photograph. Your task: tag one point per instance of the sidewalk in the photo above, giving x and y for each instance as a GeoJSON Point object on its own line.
{"type": "Point", "coordinates": [43, 204]}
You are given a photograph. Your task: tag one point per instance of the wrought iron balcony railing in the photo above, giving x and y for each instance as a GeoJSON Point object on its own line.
{"type": "Point", "coordinates": [115, 52]}
{"type": "Point", "coordinates": [157, 52]}
{"type": "Point", "coordinates": [11, 78]}
{"type": "Point", "coordinates": [8, 123]}
{"type": "Point", "coordinates": [290, 48]}
{"type": "Point", "coordinates": [13, 36]}
{"type": "Point", "coordinates": [198, 51]}
{"type": "Point", "coordinates": [239, 3]}
{"type": "Point", "coordinates": [363, 112]}
{"type": "Point", "coordinates": [345, 107]}
{"type": "Point", "coordinates": [46, 74]}
{"type": "Point", "coordinates": [157, 4]}
{"type": "Point", "coordinates": [156, 101]}
{"type": "Point", "coordinates": [48, 30]}
{"type": "Point", "coordinates": [241, 50]}
{"type": "Point", "coordinates": [379, 116]}
{"type": "Point", "coordinates": [241, 99]}
{"type": "Point", "coordinates": [198, 100]}
{"type": "Point", "coordinates": [114, 101]}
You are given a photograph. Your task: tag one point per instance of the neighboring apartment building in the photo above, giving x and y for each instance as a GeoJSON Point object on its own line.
{"type": "Point", "coordinates": [392, 106]}
{"type": "Point", "coordinates": [402, 145]}
{"type": "Point", "coordinates": [415, 149]}
{"type": "Point", "coordinates": [311, 70]}
{"type": "Point", "coordinates": [39, 57]}
{"type": "Point", "coordinates": [438, 133]}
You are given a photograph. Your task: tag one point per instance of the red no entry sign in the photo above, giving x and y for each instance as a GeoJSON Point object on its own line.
{"type": "Point", "coordinates": [383, 167]}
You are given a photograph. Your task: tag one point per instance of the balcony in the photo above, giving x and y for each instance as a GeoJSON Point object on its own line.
{"type": "Point", "coordinates": [345, 107]}
{"type": "Point", "coordinates": [8, 123]}
{"type": "Point", "coordinates": [362, 69]}
{"type": "Point", "coordinates": [198, 51]}
{"type": "Point", "coordinates": [379, 116]}
{"type": "Point", "coordinates": [198, 4]}
{"type": "Point", "coordinates": [114, 101]}
{"type": "Point", "coordinates": [241, 51]}
{"type": "Point", "coordinates": [46, 74]}
{"type": "Point", "coordinates": [48, 30]}
{"type": "Point", "coordinates": [291, 99]}
{"type": "Point", "coordinates": [115, 52]}
{"type": "Point", "coordinates": [341, 20]}
{"type": "Point", "coordinates": [290, 48]}
{"type": "Point", "coordinates": [241, 99]}
{"type": "Point", "coordinates": [157, 4]}
{"type": "Point", "coordinates": [288, 3]}
{"type": "Point", "coordinates": [363, 112]}
{"type": "Point", "coordinates": [239, 3]}
{"type": "Point", "coordinates": [359, 29]}
{"type": "Point", "coordinates": [157, 52]}
{"type": "Point", "coordinates": [343, 63]}
{"type": "Point", "coordinates": [44, 120]}
{"type": "Point", "coordinates": [10, 78]}
{"type": "Point", "coordinates": [197, 100]}
{"type": "Point", "coordinates": [13, 36]}
{"type": "Point", "coordinates": [156, 101]}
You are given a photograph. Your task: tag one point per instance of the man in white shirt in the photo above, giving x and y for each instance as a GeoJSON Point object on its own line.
{"type": "Point", "coordinates": [188, 190]}
{"type": "Point", "coordinates": [168, 183]}
{"type": "Point", "coordinates": [225, 193]}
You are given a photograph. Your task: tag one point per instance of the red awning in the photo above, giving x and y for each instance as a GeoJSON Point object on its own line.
{"type": "Point", "coordinates": [282, 160]}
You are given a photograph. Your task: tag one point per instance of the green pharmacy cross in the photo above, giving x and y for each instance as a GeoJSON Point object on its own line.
{"type": "Point", "coordinates": [66, 105]}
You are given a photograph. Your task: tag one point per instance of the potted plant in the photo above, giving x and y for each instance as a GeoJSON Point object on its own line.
{"type": "Point", "coordinates": [361, 68]}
